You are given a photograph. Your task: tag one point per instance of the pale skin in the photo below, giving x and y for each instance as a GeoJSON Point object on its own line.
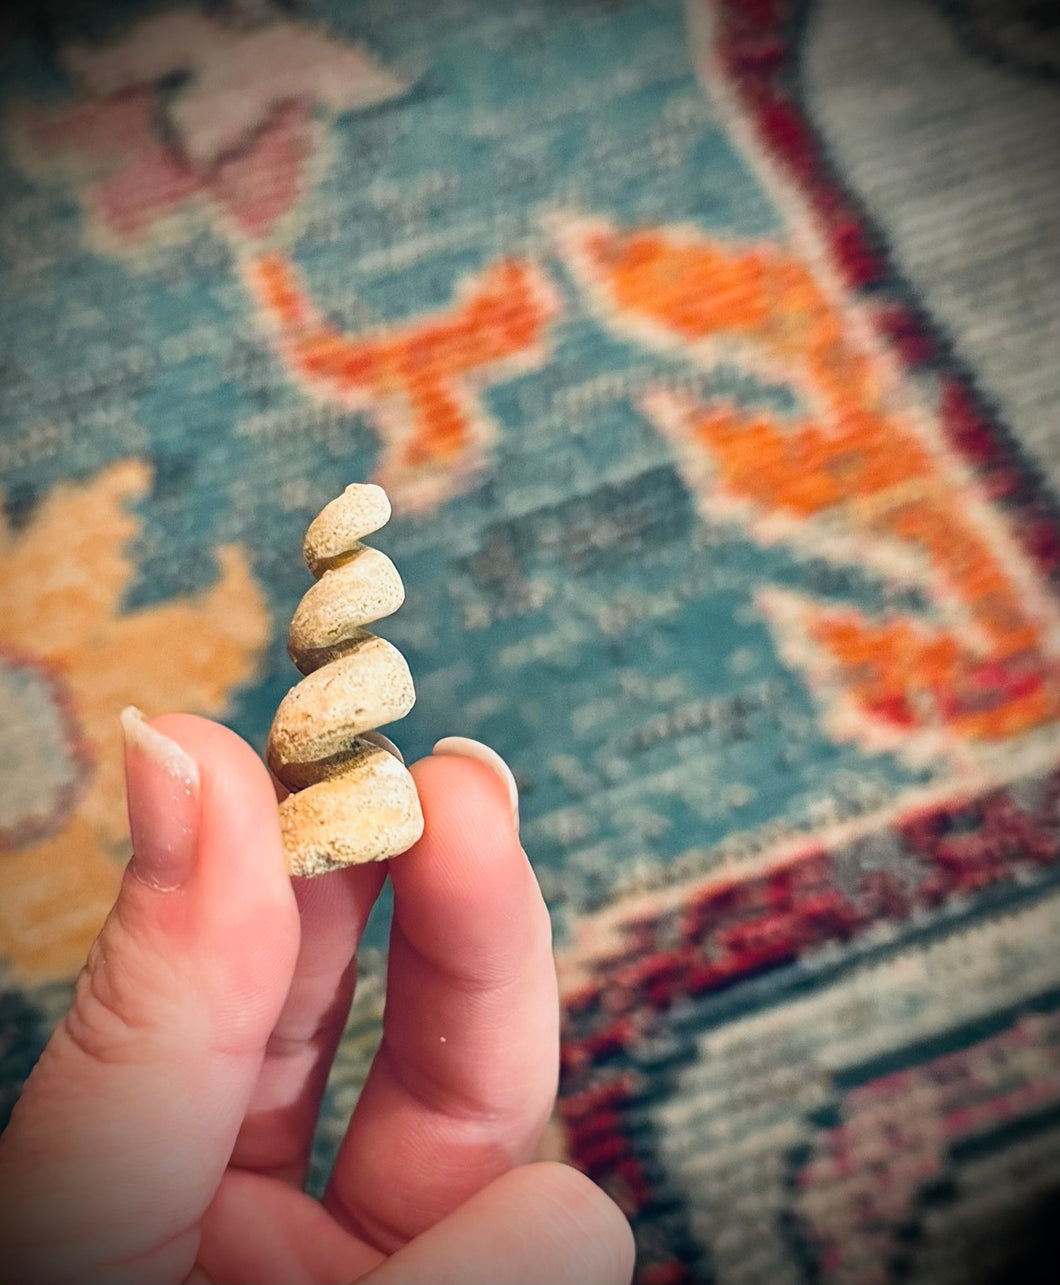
{"type": "Point", "coordinates": [165, 1133]}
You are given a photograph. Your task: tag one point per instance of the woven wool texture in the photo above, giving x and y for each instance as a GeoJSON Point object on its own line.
{"type": "Point", "coordinates": [711, 357]}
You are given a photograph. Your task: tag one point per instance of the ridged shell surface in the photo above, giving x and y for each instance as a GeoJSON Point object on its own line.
{"type": "Point", "coordinates": [350, 800]}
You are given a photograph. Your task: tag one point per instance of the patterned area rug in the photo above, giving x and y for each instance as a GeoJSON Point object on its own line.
{"type": "Point", "coordinates": [710, 354]}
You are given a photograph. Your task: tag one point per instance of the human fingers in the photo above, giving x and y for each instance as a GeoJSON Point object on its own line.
{"type": "Point", "coordinates": [543, 1222]}
{"type": "Point", "coordinates": [466, 1072]}
{"type": "Point", "coordinates": [277, 1133]}
{"type": "Point", "coordinates": [258, 1229]}
{"type": "Point", "coordinates": [128, 1121]}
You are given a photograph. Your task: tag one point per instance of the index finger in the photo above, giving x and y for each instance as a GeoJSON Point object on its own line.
{"type": "Point", "coordinates": [465, 1076]}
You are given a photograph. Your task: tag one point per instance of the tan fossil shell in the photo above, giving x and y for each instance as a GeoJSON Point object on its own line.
{"type": "Point", "coordinates": [351, 800]}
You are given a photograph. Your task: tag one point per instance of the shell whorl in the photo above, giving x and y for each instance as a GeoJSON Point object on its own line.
{"type": "Point", "coordinates": [351, 800]}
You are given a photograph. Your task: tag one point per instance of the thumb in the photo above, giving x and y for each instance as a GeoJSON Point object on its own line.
{"type": "Point", "coordinates": [541, 1222]}
{"type": "Point", "coordinates": [128, 1121]}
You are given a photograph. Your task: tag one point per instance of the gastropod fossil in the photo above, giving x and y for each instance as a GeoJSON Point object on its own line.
{"type": "Point", "coordinates": [351, 800]}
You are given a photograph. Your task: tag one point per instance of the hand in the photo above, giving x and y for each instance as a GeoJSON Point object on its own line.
{"type": "Point", "coordinates": [165, 1133]}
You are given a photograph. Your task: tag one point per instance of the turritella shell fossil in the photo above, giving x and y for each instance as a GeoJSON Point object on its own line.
{"type": "Point", "coordinates": [351, 800]}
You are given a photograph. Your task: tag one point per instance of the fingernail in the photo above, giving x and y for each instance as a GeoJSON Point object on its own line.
{"type": "Point", "coordinates": [162, 782]}
{"type": "Point", "coordinates": [384, 743]}
{"type": "Point", "coordinates": [465, 747]}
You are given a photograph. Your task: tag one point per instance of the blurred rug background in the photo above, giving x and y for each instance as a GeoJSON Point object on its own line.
{"type": "Point", "coordinates": [711, 355]}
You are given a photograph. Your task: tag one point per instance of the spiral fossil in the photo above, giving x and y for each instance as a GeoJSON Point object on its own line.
{"type": "Point", "coordinates": [351, 801]}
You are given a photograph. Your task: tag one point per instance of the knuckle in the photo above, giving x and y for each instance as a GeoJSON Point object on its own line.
{"type": "Point", "coordinates": [105, 1023]}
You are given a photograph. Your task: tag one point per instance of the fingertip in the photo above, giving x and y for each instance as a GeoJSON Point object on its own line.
{"type": "Point", "coordinates": [238, 793]}
{"type": "Point", "coordinates": [466, 821]}
{"type": "Point", "coordinates": [217, 749]}
{"type": "Point", "coordinates": [150, 740]}
{"type": "Point", "coordinates": [461, 796]}
{"type": "Point", "coordinates": [465, 747]}
{"type": "Point", "coordinates": [539, 1222]}
{"type": "Point", "coordinates": [164, 795]}
{"type": "Point", "coordinates": [240, 878]}
{"type": "Point", "coordinates": [601, 1231]}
